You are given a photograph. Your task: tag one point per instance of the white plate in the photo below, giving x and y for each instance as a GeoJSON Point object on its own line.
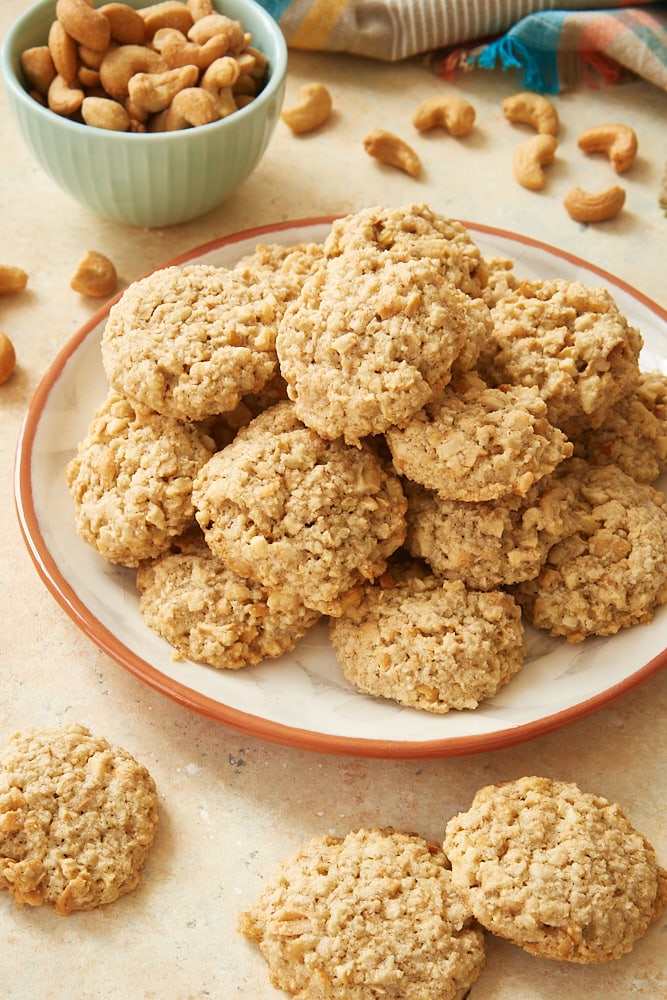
{"type": "Point", "coordinates": [303, 700]}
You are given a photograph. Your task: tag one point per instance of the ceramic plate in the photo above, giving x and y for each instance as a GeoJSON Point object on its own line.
{"type": "Point", "coordinates": [303, 700]}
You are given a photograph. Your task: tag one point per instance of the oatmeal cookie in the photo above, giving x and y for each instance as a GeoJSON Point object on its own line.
{"type": "Point", "coordinates": [634, 434]}
{"type": "Point", "coordinates": [488, 543]}
{"type": "Point", "coordinates": [370, 340]}
{"type": "Point", "coordinates": [367, 915]}
{"type": "Point", "coordinates": [77, 819]}
{"type": "Point", "coordinates": [558, 871]}
{"type": "Point", "coordinates": [131, 479]}
{"type": "Point", "coordinates": [610, 572]}
{"type": "Point", "coordinates": [305, 516]}
{"type": "Point", "coordinates": [211, 615]}
{"type": "Point", "coordinates": [189, 342]}
{"type": "Point", "coordinates": [501, 279]}
{"type": "Point", "coordinates": [284, 268]}
{"type": "Point", "coordinates": [569, 340]}
{"type": "Point", "coordinates": [473, 442]}
{"type": "Point", "coordinates": [430, 644]}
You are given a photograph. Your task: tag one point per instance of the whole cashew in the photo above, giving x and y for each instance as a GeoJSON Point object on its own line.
{"type": "Point", "coordinates": [120, 64]}
{"type": "Point", "coordinates": [126, 24]}
{"type": "Point", "coordinates": [219, 24]}
{"type": "Point", "coordinates": [618, 141]}
{"type": "Point", "coordinates": [532, 109]}
{"type": "Point", "coordinates": [530, 157]}
{"type": "Point", "coordinates": [189, 108]}
{"type": "Point", "coordinates": [450, 111]}
{"type": "Point", "coordinates": [7, 357]}
{"type": "Point", "coordinates": [168, 14]}
{"type": "Point", "coordinates": [64, 52]}
{"type": "Point", "coordinates": [64, 98]}
{"type": "Point", "coordinates": [84, 24]}
{"type": "Point", "coordinates": [224, 72]}
{"type": "Point", "coordinates": [12, 279]}
{"type": "Point", "coordinates": [313, 109]}
{"type": "Point", "coordinates": [152, 92]}
{"type": "Point", "coordinates": [103, 112]}
{"type": "Point", "coordinates": [177, 50]}
{"type": "Point", "coordinates": [95, 275]}
{"type": "Point", "coordinates": [585, 207]}
{"type": "Point", "coordinates": [392, 150]}
{"type": "Point", "coordinates": [199, 8]}
{"type": "Point", "coordinates": [37, 64]}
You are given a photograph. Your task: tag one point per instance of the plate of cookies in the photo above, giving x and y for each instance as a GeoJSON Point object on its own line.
{"type": "Point", "coordinates": [388, 484]}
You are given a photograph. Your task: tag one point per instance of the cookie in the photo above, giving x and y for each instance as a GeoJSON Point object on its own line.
{"type": "Point", "coordinates": [284, 268]}
{"type": "Point", "coordinates": [558, 871]}
{"type": "Point", "coordinates": [501, 279]}
{"type": "Point", "coordinates": [371, 339]}
{"type": "Point", "coordinates": [308, 517]}
{"type": "Point", "coordinates": [131, 479]}
{"type": "Point", "coordinates": [77, 819]}
{"type": "Point", "coordinates": [569, 340]}
{"type": "Point", "coordinates": [487, 544]}
{"type": "Point", "coordinates": [430, 644]}
{"type": "Point", "coordinates": [474, 442]}
{"type": "Point", "coordinates": [211, 615]}
{"type": "Point", "coordinates": [372, 914]}
{"type": "Point", "coordinates": [610, 572]}
{"type": "Point", "coordinates": [190, 341]}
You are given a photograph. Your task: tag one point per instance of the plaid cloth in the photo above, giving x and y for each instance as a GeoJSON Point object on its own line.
{"type": "Point", "coordinates": [549, 47]}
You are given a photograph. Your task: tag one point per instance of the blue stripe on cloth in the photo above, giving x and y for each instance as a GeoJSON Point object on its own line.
{"type": "Point", "coordinates": [532, 47]}
{"type": "Point", "coordinates": [276, 8]}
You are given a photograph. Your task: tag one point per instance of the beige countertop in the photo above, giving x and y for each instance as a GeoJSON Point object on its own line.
{"type": "Point", "coordinates": [233, 805]}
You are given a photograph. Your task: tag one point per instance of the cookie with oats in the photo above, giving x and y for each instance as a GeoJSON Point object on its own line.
{"type": "Point", "coordinates": [487, 543]}
{"type": "Point", "coordinates": [474, 442]}
{"type": "Point", "coordinates": [569, 340]}
{"type": "Point", "coordinates": [610, 570]}
{"type": "Point", "coordinates": [190, 341]}
{"type": "Point", "coordinates": [558, 871]}
{"type": "Point", "coordinates": [210, 614]}
{"type": "Point", "coordinates": [283, 267]}
{"type": "Point", "coordinates": [131, 479]}
{"type": "Point", "coordinates": [430, 644]}
{"type": "Point", "coordinates": [78, 816]}
{"type": "Point", "coordinates": [370, 914]}
{"type": "Point", "coordinates": [305, 516]}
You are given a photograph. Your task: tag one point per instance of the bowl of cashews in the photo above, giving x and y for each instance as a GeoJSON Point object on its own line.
{"type": "Point", "coordinates": [148, 113]}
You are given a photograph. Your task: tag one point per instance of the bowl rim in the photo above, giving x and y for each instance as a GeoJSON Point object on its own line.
{"type": "Point", "coordinates": [12, 81]}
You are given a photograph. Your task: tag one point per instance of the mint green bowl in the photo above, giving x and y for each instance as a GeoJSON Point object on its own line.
{"type": "Point", "coordinates": [142, 179]}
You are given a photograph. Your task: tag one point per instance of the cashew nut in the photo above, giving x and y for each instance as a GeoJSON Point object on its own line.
{"type": "Point", "coordinates": [313, 109]}
{"type": "Point", "coordinates": [168, 14]}
{"type": "Point", "coordinates": [12, 279]}
{"type": "Point", "coordinates": [95, 276]}
{"type": "Point", "coordinates": [189, 108]}
{"type": "Point", "coordinates": [84, 24]}
{"type": "Point", "coordinates": [152, 92]}
{"type": "Point", "coordinates": [103, 112]}
{"type": "Point", "coordinates": [532, 109]}
{"type": "Point", "coordinates": [219, 24]}
{"type": "Point", "coordinates": [37, 64]}
{"type": "Point", "coordinates": [530, 157]}
{"type": "Point", "coordinates": [177, 50]}
{"type": "Point", "coordinates": [7, 357]}
{"type": "Point", "coordinates": [618, 141]}
{"type": "Point", "coordinates": [585, 207]}
{"type": "Point", "coordinates": [126, 24]}
{"type": "Point", "coordinates": [199, 8]}
{"type": "Point", "coordinates": [450, 111]}
{"type": "Point", "coordinates": [393, 151]}
{"type": "Point", "coordinates": [63, 98]}
{"type": "Point", "coordinates": [122, 63]}
{"type": "Point", "coordinates": [64, 52]}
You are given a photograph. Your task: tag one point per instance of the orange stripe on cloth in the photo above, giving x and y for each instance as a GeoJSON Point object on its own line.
{"type": "Point", "coordinates": [318, 24]}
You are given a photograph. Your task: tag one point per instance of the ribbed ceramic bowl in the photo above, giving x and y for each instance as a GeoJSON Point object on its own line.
{"type": "Point", "coordinates": [148, 179]}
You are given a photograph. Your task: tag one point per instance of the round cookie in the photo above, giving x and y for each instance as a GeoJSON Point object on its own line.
{"type": "Point", "coordinates": [211, 615]}
{"type": "Point", "coordinates": [373, 914]}
{"type": "Point", "coordinates": [304, 516]}
{"type": "Point", "coordinates": [131, 479]}
{"type": "Point", "coordinates": [569, 340]}
{"type": "Point", "coordinates": [490, 543]}
{"type": "Point", "coordinates": [371, 339]}
{"type": "Point", "coordinates": [430, 644]}
{"type": "Point", "coordinates": [558, 871]}
{"type": "Point", "coordinates": [189, 342]}
{"type": "Point", "coordinates": [77, 819]}
{"type": "Point", "coordinates": [610, 571]}
{"type": "Point", "coordinates": [474, 442]}
{"type": "Point", "coordinates": [284, 268]}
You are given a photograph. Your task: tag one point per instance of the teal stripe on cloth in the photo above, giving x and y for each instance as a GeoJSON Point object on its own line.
{"type": "Point", "coordinates": [276, 8]}
{"type": "Point", "coordinates": [532, 47]}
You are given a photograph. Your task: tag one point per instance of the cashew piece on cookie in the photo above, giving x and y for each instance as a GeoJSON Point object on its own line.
{"type": "Point", "coordinates": [617, 141]}
{"type": "Point", "coordinates": [393, 151]}
{"type": "Point", "coordinates": [530, 157]}
{"type": "Point", "coordinates": [451, 112]}
{"type": "Point", "coordinates": [532, 109]}
{"type": "Point", "coordinates": [585, 207]}
{"type": "Point", "coordinates": [312, 110]}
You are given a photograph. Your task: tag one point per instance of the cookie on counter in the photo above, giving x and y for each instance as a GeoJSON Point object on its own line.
{"type": "Point", "coordinates": [372, 914]}
{"type": "Point", "coordinates": [308, 517]}
{"type": "Point", "coordinates": [475, 442]}
{"type": "Point", "coordinates": [610, 571]}
{"type": "Point", "coordinates": [78, 816]}
{"type": "Point", "coordinates": [131, 479]}
{"type": "Point", "coordinates": [190, 341]}
{"type": "Point", "coordinates": [487, 543]}
{"type": "Point", "coordinates": [211, 615]}
{"type": "Point", "coordinates": [569, 340]}
{"type": "Point", "coordinates": [430, 644]}
{"type": "Point", "coordinates": [558, 871]}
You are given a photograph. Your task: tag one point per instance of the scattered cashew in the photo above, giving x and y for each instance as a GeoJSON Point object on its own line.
{"type": "Point", "coordinates": [12, 279]}
{"type": "Point", "coordinates": [618, 141]}
{"type": "Point", "coordinates": [532, 109]}
{"type": "Point", "coordinates": [37, 64]}
{"type": "Point", "coordinates": [84, 23]}
{"type": "Point", "coordinates": [191, 107]}
{"type": "Point", "coordinates": [530, 157]}
{"type": "Point", "coordinates": [7, 357]}
{"type": "Point", "coordinates": [126, 24]}
{"type": "Point", "coordinates": [95, 276]}
{"type": "Point", "coordinates": [449, 111]}
{"type": "Point", "coordinates": [313, 109]}
{"type": "Point", "coordinates": [392, 150]}
{"type": "Point", "coordinates": [585, 207]}
{"type": "Point", "coordinates": [103, 112]}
